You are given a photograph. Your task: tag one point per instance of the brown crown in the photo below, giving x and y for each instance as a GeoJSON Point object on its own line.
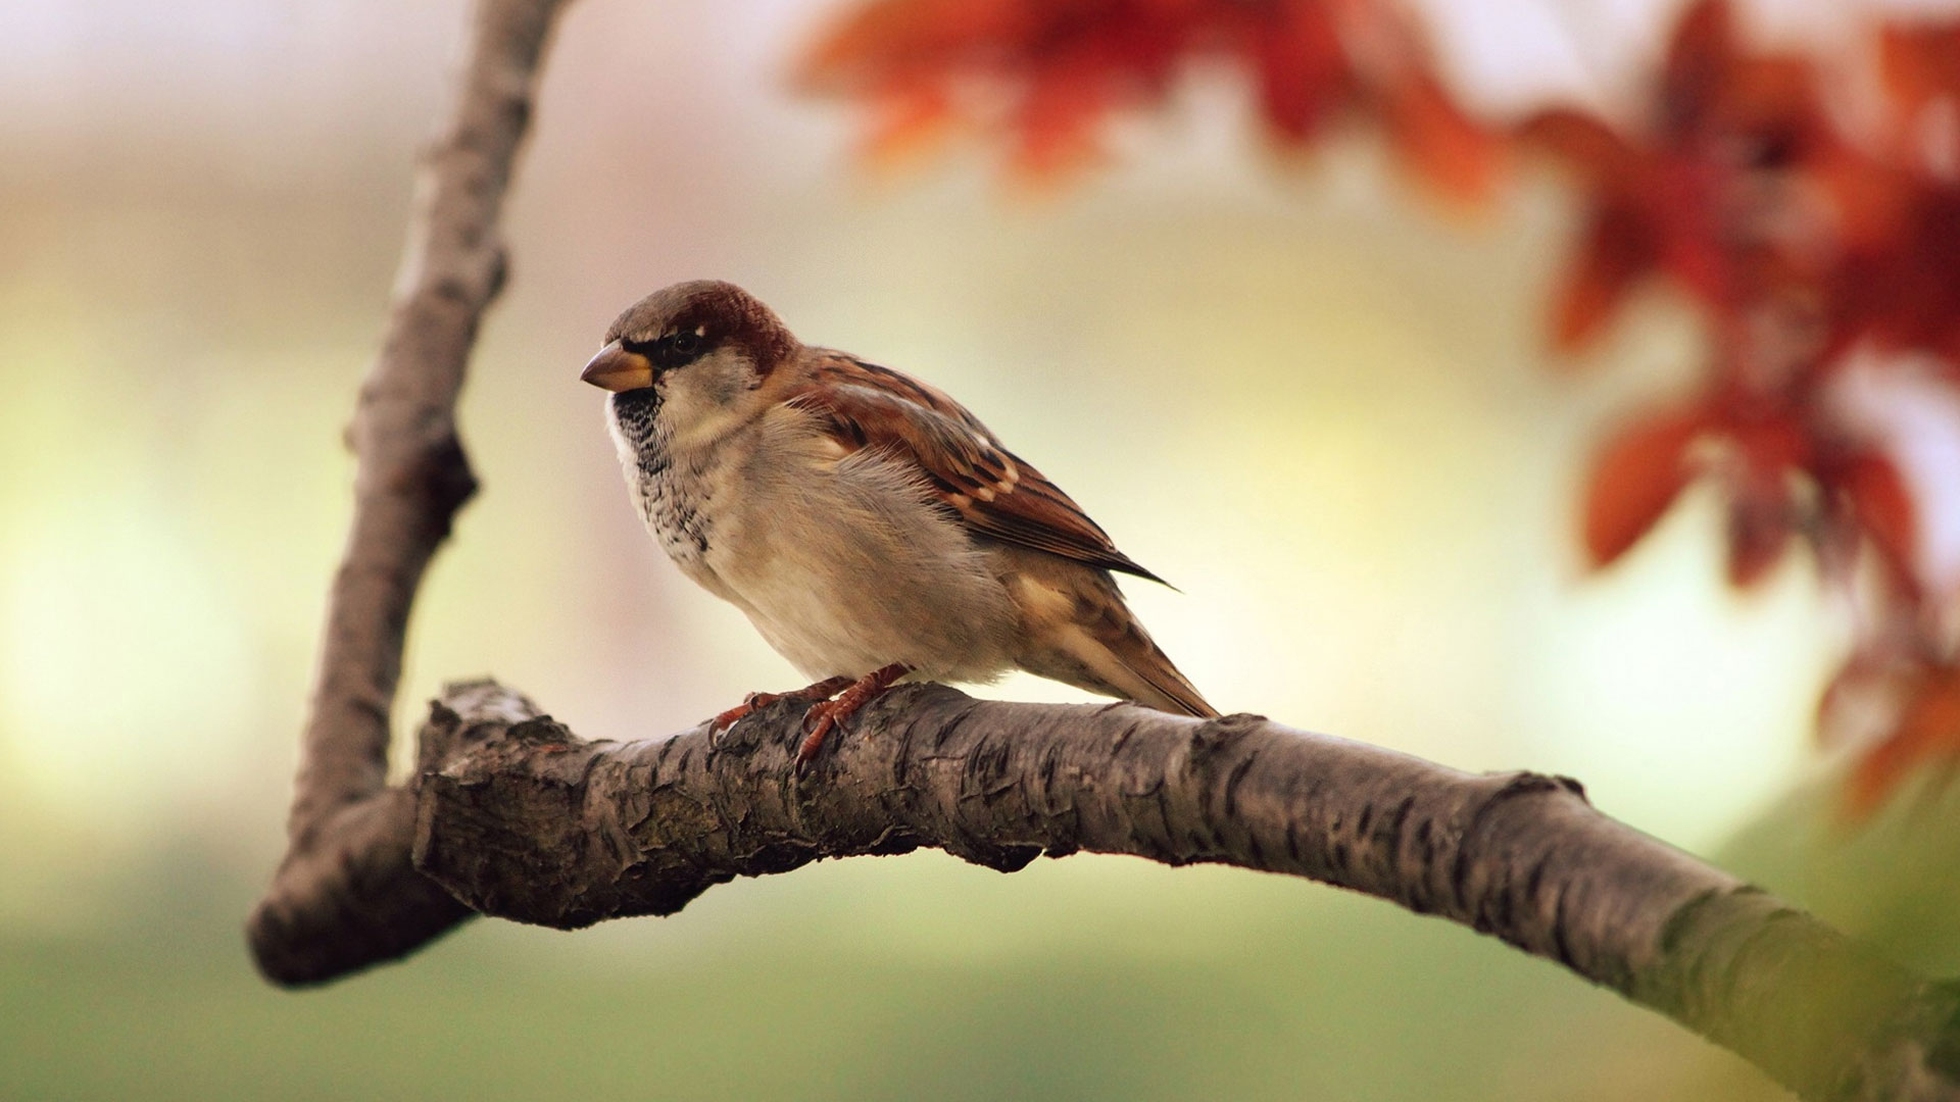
{"type": "Point", "coordinates": [723, 313]}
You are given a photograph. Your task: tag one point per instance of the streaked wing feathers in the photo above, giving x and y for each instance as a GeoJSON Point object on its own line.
{"type": "Point", "coordinates": [994, 491]}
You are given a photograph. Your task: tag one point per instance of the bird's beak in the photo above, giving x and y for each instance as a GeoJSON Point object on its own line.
{"type": "Point", "coordinates": [616, 369]}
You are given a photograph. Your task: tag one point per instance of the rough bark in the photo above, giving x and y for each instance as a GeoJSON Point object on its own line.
{"type": "Point", "coordinates": [521, 819]}
{"type": "Point", "coordinates": [346, 869]}
{"type": "Point", "coordinates": [509, 814]}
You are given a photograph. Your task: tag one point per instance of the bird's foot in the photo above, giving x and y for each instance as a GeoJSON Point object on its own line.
{"type": "Point", "coordinates": [828, 714]}
{"type": "Point", "coordinates": [755, 702]}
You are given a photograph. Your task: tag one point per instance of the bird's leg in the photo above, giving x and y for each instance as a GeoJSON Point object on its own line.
{"type": "Point", "coordinates": [755, 702]}
{"type": "Point", "coordinates": [830, 713]}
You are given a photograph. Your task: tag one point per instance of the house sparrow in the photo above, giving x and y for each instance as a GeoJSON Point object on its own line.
{"type": "Point", "coordinates": [870, 527]}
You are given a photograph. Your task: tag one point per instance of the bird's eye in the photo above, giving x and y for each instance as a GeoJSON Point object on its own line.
{"type": "Point", "coordinates": [684, 344]}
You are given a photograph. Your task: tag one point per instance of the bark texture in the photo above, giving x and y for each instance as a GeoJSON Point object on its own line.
{"type": "Point", "coordinates": [521, 819]}
{"type": "Point", "coordinates": [510, 814]}
{"type": "Point", "coordinates": [346, 869]}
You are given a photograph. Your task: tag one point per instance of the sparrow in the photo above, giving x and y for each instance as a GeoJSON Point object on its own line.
{"type": "Point", "coordinates": [868, 525]}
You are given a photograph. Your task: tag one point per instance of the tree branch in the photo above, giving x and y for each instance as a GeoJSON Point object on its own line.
{"type": "Point", "coordinates": [346, 870]}
{"type": "Point", "coordinates": [519, 818]}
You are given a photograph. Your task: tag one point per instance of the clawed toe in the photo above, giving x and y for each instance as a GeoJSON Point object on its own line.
{"type": "Point", "coordinates": [749, 706]}
{"type": "Point", "coordinates": [755, 702]}
{"type": "Point", "coordinates": [829, 714]}
{"type": "Point", "coordinates": [813, 739]}
{"type": "Point", "coordinates": [824, 715]}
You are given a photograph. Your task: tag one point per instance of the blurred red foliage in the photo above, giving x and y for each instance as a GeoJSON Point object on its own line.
{"type": "Point", "coordinates": [1811, 244]}
{"type": "Point", "coordinates": [1051, 72]}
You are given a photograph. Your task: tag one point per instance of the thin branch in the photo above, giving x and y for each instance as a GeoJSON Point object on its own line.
{"type": "Point", "coordinates": [520, 819]}
{"type": "Point", "coordinates": [412, 478]}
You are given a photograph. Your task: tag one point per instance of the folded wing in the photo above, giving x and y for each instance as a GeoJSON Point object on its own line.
{"type": "Point", "coordinates": [992, 490]}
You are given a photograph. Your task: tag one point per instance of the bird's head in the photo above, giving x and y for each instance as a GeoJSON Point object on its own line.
{"type": "Point", "coordinates": [696, 351]}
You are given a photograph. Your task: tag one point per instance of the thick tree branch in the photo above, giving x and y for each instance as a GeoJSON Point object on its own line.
{"type": "Point", "coordinates": [519, 818]}
{"type": "Point", "coordinates": [347, 862]}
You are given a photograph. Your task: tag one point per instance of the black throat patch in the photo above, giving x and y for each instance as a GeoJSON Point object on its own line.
{"type": "Point", "coordinates": [672, 498]}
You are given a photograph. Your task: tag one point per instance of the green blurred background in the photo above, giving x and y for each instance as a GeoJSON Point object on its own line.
{"type": "Point", "coordinates": [1306, 394]}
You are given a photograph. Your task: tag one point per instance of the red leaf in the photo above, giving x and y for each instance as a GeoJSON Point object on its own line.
{"type": "Point", "coordinates": [1057, 122]}
{"type": "Point", "coordinates": [1636, 477]}
{"type": "Point", "coordinates": [1581, 141]}
{"type": "Point", "coordinates": [1303, 73]}
{"type": "Point", "coordinates": [1698, 59]}
{"type": "Point", "coordinates": [1759, 532]}
{"type": "Point", "coordinates": [1442, 144]}
{"type": "Point", "coordinates": [1928, 728]}
{"type": "Point", "coordinates": [1920, 63]}
{"type": "Point", "coordinates": [1900, 291]}
{"type": "Point", "coordinates": [1871, 200]}
{"type": "Point", "coordinates": [1696, 236]}
{"type": "Point", "coordinates": [909, 120]}
{"type": "Point", "coordinates": [1883, 507]}
{"type": "Point", "coordinates": [920, 38]}
{"type": "Point", "coordinates": [1770, 448]}
{"type": "Point", "coordinates": [1762, 514]}
{"type": "Point", "coordinates": [1618, 250]}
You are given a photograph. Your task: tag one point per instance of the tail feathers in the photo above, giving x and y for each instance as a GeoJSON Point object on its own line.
{"type": "Point", "coordinates": [1123, 662]}
{"type": "Point", "coordinates": [1078, 630]}
{"type": "Point", "coordinates": [1172, 690]}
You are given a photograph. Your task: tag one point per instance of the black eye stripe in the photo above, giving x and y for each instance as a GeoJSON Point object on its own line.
{"type": "Point", "coordinates": [672, 350]}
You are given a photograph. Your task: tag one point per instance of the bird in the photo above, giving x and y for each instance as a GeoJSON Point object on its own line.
{"type": "Point", "coordinates": [869, 526]}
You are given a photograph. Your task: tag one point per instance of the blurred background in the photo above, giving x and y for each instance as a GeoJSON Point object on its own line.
{"type": "Point", "coordinates": [1308, 394]}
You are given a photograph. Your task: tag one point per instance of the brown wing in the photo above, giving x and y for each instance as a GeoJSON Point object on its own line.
{"type": "Point", "coordinates": [993, 490]}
